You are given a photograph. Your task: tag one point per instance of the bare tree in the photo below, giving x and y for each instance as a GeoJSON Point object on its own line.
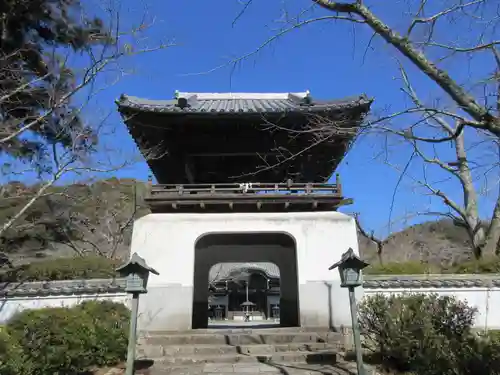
{"type": "Point", "coordinates": [371, 236]}
{"type": "Point", "coordinates": [480, 115]}
{"type": "Point", "coordinates": [463, 170]}
{"type": "Point", "coordinates": [91, 216]}
{"type": "Point", "coordinates": [66, 150]}
{"type": "Point", "coordinates": [464, 115]}
{"type": "Point", "coordinates": [45, 216]}
{"type": "Point", "coordinates": [105, 227]}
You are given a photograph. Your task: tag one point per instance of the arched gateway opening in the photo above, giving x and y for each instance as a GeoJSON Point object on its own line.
{"type": "Point", "coordinates": [272, 248]}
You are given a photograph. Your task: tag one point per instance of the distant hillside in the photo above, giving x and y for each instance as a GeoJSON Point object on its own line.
{"type": "Point", "coordinates": [433, 242]}
{"type": "Point", "coordinates": [98, 217]}
{"type": "Point", "coordinates": [71, 219]}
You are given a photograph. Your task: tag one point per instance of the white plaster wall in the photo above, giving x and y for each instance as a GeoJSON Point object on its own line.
{"type": "Point", "coordinates": [12, 305]}
{"type": "Point", "coordinates": [167, 242]}
{"type": "Point", "coordinates": [485, 300]}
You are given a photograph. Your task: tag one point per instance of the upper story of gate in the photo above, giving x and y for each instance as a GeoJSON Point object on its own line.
{"type": "Point", "coordinates": [247, 146]}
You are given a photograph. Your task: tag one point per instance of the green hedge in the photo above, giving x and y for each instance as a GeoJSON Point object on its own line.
{"type": "Point", "coordinates": [56, 341]}
{"type": "Point", "coordinates": [110, 321]}
{"type": "Point", "coordinates": [481, 266]}
{"type": "Point", "coordinates": [427, 335]}
{"type": "Point", "coordinates": [12, 358]}
{"type": "Point", "coordinates": [98, 267]}
{"type": "Point", "coordinates": [89, 267]}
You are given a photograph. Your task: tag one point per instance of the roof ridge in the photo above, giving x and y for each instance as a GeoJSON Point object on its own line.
{"type": "Point", "coordinates": [242, 95]}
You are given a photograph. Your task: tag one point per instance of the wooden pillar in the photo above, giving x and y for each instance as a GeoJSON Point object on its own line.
{"type": "Point", "coordinates": [227, 306]}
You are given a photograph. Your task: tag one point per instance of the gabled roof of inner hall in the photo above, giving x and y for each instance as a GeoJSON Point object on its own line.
{"type": "Point", "coordinates": [223, 271]}
{"type": "Point", "coordinates": [220, 103]}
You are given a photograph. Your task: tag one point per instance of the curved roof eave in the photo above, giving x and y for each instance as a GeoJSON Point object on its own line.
{"type": "Point", "coordinates": [241, 106]}
{"type": "Point", "coordinates": [222, 271]}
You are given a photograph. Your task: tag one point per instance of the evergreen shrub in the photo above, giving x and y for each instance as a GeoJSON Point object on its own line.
{"type": "Point", "coordinates": [56, 341]}
{"type": "Point", "coordinates": [427, 335]}
{"type": "Point", "coordinates": [12, 359]}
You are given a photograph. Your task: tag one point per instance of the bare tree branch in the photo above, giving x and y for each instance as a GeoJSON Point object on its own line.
{"type": "Point", "coordinates": [468, 125]}
{"type": "Point", "coordinates": [484, 119]}
{"type": "Point", "coordinates": [371, 236]}
{"type": "Point", "coordinates": [77, 158]}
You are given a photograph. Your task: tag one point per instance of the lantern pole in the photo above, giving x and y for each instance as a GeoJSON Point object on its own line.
{"type": "Point", "coordinates": [136, 273]}
{"type": "Point", "coordinates": [355, 332]}
{"type": "Point", "coordinates": [350, 266]}
{"type": "Point", "coordinates": [246, 289]}
{"type": "Point", "coordinates": [132, 334]}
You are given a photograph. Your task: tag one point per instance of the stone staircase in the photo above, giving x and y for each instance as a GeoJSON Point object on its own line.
{"type": "Point", "coordinates": [244, 351]}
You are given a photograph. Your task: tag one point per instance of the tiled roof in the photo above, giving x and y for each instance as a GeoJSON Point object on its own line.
{"type": "Point", "coordinates": [64, 287]}
{"type": "Point", "coordinates": [442, 281]}
{"type": "Point", "coordinates": [241, 103]}
{"type": "Point", "coordinates": [220, 271]}
{"type": "Point", "coordinates": [223, 270]}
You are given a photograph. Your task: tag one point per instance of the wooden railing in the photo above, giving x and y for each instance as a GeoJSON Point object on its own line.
{"type": "Point", "coordinates": [247, 188]}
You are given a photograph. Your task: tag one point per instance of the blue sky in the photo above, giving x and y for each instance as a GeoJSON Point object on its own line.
{"type": "Point", "coordinates": [330, 59]}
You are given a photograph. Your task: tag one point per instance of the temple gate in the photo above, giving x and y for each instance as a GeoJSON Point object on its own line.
{"type": "Point", "coordinates": [243, 177]}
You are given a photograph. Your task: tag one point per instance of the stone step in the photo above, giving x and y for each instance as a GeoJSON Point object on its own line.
{"type": "Point", "coordinates": [252, 369]}
{"type": "Point", "coordinates": [241, 338]}
{"type": "Point", "coordinates": [326, 356]}
{"type": "Point", "coordinates": [156, 351]}
{"type": "Point", "coordinates": [242, 329]}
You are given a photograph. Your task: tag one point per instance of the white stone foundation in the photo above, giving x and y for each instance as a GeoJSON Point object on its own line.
{"type": "Point", "coordinates": [167, 242]}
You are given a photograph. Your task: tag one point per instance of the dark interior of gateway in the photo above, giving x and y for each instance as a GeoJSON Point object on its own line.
{"type": "Point", "coordinates": [271, 248]}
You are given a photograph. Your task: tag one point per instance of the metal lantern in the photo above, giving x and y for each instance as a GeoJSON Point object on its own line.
{"type": "Point", "coordinates": [136, 273]}
{"type": "Point", "coordinates": [350, 266]}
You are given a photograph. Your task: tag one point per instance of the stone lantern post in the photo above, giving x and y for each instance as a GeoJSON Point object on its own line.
{"type": "Point", "coordinates": [136, 273]}
{"type": "Point", "coordinates": [350, 267]}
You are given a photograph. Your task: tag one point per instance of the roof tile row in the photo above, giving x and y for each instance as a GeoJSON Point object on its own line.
{"type": "Point", "coordinates": [256, 105]}
{"type": "Point", "coordinates": [79, 287]}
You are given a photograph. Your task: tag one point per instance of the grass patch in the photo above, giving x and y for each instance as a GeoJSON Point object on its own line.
{"type": "Point", "coordinates": [89, 267]}
{"type": "Point", "coordinates": [489, 265]}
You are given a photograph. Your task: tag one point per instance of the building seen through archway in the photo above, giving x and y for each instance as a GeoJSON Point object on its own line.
{"type": "Point", "coordinates": [244, 291]}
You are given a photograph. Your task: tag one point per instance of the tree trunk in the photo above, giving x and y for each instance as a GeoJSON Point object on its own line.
{"type": "Point", "coordinates": [380, 248]}
{"type": "Point", "coordinates": [492, 239]}
{"type": "Point", "coordinates": [28, 205]}
{"type": "Point", "coordinates": [471, 212]}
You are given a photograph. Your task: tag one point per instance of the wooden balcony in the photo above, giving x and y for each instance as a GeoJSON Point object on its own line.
{"type": "Point", "coordinates": [250, 197]}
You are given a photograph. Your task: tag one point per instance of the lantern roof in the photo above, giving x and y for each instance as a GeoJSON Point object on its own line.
{"type": "Point", "coordinates": [136, 261]}
{"type": "Point", "coordinates": [350, 260]}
